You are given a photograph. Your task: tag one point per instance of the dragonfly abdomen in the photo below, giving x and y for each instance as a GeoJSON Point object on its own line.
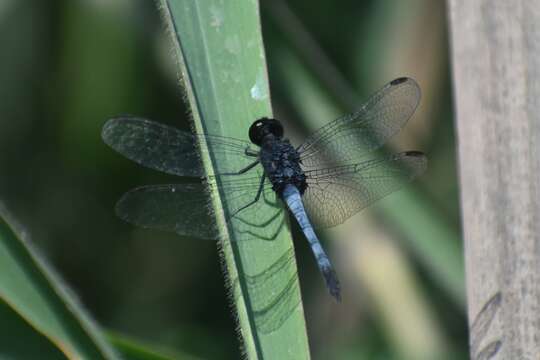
{"type": "Point", "coordinates": [293, 198]}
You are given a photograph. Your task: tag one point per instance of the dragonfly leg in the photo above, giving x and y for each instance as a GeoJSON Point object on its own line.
{"type": "Point", "coordinates": [257, 197]}
{"type": "Point", "coordinates": [250, 152]}
{"type": "Point", "coordinates": [241, 171]}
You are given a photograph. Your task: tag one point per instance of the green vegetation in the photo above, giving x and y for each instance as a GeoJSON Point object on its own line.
{"type": "Point", "coordinates": [69, 66]}
{"type": "Point", "coordinates": [224, 73]}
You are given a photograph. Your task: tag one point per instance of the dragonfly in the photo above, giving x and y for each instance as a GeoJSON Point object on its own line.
{"type": "Point", "coordinates": [331, 176]}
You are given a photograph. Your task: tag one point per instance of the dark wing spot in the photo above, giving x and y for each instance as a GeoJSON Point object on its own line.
{"type": "Point", "coordinates": [399, 81]}
{"type": "Point", "coordinates": [414, 153]}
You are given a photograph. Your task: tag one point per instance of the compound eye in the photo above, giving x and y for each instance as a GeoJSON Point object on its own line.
{"type": "Point", "coordinates": [262, 127]}
{"type": "Point", "coordinates": [256, 131]}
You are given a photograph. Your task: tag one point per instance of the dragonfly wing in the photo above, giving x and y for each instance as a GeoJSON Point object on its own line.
{"type": "Point", "coordinates": [186, 208]}
{"type": "Point", "coordinates": [178, 208]}
{"type": "Point", "coordinates": [347, 138]}
{"type": "Point", "coordinates": [170, 150]}
{"type": "Point", "coordinates": [335, 194]}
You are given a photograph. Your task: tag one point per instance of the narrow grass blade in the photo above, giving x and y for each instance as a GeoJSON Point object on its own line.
{"type": "Point", "coordinates": [30, 289]}
{"type": "Point", "coordinates": [19, 340]}
{"type": "Point", "coordinates": [222, 63]}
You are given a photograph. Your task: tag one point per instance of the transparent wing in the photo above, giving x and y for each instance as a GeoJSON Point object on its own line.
{"type": "Point", "coordinates": [186, 209]}
{"type": "Point", "coordinates": [335, 194]}
{"type": "Point", "coordinates": [346, 139]}
{"type": "Point", "coordinates": [170, 150]}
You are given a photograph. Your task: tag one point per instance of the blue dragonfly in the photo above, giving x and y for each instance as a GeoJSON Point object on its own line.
{"type": "Point", "coordinates": [323, 182]}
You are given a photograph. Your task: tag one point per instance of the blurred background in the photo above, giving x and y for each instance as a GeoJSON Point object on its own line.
{"type": "Point", "coordinates": [69, 65]}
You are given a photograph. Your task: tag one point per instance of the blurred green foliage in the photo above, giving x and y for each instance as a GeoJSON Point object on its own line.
{"type": "Point", "coordinates": [67, 66]}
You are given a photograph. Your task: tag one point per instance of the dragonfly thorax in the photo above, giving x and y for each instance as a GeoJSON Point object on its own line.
{"type": "Point", "coordinates": [281, 163]}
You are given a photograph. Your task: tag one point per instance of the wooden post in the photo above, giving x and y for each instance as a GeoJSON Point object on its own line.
{"type": "Point", "coordinates": [496, 68]}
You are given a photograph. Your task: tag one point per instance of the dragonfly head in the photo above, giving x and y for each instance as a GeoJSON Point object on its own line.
{"type": "Point", "coordinates": [264, 127]}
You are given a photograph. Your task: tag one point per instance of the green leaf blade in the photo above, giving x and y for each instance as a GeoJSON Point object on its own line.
{"type": "Point", "coordinates": [18, 340]}
{"type": "Point", "coordinates": [36, 294]}
{"type": "Point", "coordinates": [223, 66]}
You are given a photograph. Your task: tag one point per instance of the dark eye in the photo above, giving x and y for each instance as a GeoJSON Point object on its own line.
{"type": "Point", "coordinates": [261, 127]}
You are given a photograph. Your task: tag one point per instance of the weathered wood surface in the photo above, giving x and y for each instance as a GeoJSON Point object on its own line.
{"type": "Point", "coordinates": [496, 69]}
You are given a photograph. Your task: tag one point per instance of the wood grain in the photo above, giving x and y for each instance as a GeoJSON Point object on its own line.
{"type": "Point", "coordinates": [496, 68]}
